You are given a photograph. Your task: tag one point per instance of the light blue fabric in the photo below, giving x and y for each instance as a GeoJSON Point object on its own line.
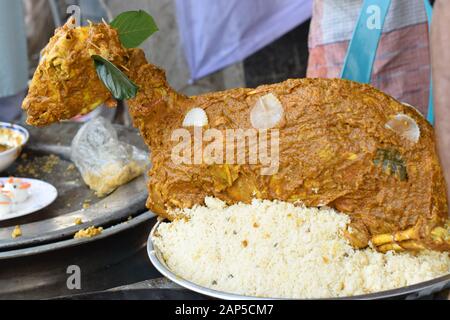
{"type": "Point", "coordinates": [218, 33]}
{"type": "Point", "coordinates": [13, 48]}
{"type": "Point", "coordinates": [363, 46]}
{"type": "Point", "coordinates": [430, 115]}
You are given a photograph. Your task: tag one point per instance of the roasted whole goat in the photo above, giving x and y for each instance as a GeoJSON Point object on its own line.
{"type": "Point", "coordinates": [341, 144]}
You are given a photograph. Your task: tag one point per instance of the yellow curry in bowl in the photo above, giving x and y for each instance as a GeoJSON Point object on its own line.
{"type": "Point", "coordinates": [12, 139]}
{"type": "Point", "coordinates": [4, 147]}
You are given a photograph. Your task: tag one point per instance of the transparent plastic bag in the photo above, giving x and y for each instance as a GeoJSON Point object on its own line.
{"type": "Point", "coordinates": [104, 162]}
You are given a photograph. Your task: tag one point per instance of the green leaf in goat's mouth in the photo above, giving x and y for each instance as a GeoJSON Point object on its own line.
{"type": "Point", "coordinates": [120, 86]}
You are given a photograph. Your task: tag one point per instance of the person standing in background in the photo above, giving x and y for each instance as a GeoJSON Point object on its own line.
{"type": "Point", "coordinates": [440, 59]}
{"type": "Point", "coordinates": [40, 28]}
{"type": "Point", "coordinates": [402, 63]}
{"type": "Point", "coordinates": [13, 59]}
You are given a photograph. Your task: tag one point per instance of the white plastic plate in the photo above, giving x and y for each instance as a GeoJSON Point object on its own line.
{"type": "Point", "coordinates": [41, 195]}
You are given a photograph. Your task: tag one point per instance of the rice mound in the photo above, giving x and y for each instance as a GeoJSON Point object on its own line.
{"type": "Point", "coordinates": [278, 250]}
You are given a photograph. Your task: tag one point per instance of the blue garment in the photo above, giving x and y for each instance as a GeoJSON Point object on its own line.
{"type": "Point", "coordinates": [13, 49]}
{"type": "Point", "coordinates": [218, 33]}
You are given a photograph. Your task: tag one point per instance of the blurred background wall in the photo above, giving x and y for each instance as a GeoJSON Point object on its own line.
{"type": "Point", "coordinates": [250, 42]}
{"type": "Point", "coordinates": [283, 57]}
{"type": "Point", "coordinates": [165, 49]}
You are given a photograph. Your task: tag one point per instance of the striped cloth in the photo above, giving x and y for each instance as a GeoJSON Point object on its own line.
{"type": "Point", "coordinates": [402, 65]}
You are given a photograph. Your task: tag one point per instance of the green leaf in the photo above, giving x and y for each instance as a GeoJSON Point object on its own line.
{"type": "Point", "coordinates": [114, 79]}
{"type": "Point", "coordinates": [134, 27]}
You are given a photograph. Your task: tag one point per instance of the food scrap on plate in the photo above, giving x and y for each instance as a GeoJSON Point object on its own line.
{"type": "Point", "coordinates": [88, 233]}
{"type": "Point", "coordinates": [17, 232]}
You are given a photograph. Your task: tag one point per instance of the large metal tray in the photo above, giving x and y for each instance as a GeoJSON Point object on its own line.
{"type": "Point", "coordinates": [57, 222]}
{"type": "Point", "coordinates": [416, 291]}
{"type": "Point", "coordinates": [114, 258]}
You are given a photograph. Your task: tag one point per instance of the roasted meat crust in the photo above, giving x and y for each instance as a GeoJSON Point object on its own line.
{"type": "Point", "coordinates": [332, 132]}
{"type": "Point", "coordinates": [65, 83]}
{"type": "Point", "coordinates": [329, 139]}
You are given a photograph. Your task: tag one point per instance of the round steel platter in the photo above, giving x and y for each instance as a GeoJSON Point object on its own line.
{"type": "Point", "coordinates": [416, 291]}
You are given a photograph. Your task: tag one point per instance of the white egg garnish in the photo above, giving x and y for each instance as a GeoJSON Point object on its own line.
{"type": "Point", "coordinates": [196, 117]}
{"type": "Point", "coordinates": [404, 126]}
{"type": "Point", "coordinates": [17, 190]}
{"type": "Point", "coordinates": [267, 112]}
{"type": "Point", "coordinates": [5, 204]}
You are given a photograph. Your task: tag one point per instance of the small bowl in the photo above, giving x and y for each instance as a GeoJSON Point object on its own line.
{"type": "Point", "coordinates": [15, 138]}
